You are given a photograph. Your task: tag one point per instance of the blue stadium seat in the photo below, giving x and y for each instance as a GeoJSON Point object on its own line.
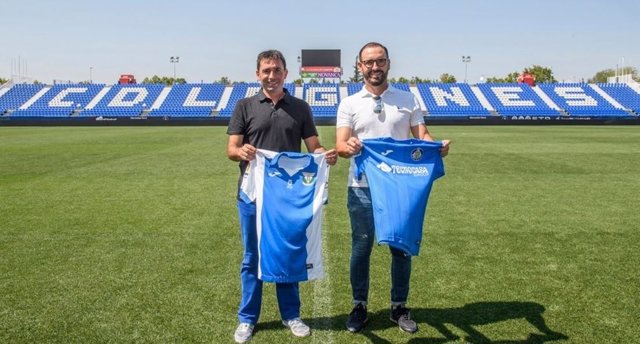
{"type": "Point", "coordinates": [190, 100]}
{"type": "Point", "coordinates": [128, 100]}
{"type": "Point", "coordinates": [354, 87]}
{"type": "Point", "coordinates": [240, 91]}
{"type": "Point", "coordinates": [218, 100]}
{"type": "Point", "coordinates": [624, 95]}
{"type": "Point", "coordinates": [323, 98]}
{"type": "Point", "coordinates": [401, 86]}
{"type": "Point", "coordinates": [510, 99]}
{"type": "Point", "coordinates": [61, 101]}
{"type": "Point", "coordinates": [17, 95]}
{"type": "Point", "coordinates": [580, 100]}
{"type": "Point", "coordinates": [451, 100]}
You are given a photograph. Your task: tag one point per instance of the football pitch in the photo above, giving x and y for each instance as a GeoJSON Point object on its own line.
{"type": "Point", "coordinates": [130, 235]}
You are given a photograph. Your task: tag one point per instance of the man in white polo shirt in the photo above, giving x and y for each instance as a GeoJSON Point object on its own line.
{"type": "Point", "coordinates": [378, 110]}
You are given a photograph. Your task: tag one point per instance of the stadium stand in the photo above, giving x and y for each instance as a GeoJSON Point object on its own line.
{"type": "Point", "coordinates": [291, 87]}
{"type": "Point", "coordinates": [451, 100]}
{"type": "Point", "coordinates": [581, 100]}
{"type": "Point", "coordinates": [60, 100]}
{"type": "Point", "coordinates": [438, 101]}
{"type": "Point", "coordinates": [190, 100]}
{"type": "Point", "coordinates": [510, 99]}
{"type": "Point", "coordinates": [240, 90]}
{"type": "Point", "coordinates": [18, 95]}
{"type": "Point", "coordinates": [624, 94]}
{"type": "Point", "coordinates": [354, 87]}
{"type": "Point", "coordinates": [323, 98]}
{"type": "Point", "coordinates": [404, 87]}
{"type": "Point", "coordinates": [129, 100]}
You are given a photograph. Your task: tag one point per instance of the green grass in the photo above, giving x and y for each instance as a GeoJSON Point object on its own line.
{"type": "Point", "coordinates": [130, 235]}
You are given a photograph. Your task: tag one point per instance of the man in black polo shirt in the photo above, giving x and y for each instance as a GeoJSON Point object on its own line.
{"type": "Point", "coordinates": [273, 120]}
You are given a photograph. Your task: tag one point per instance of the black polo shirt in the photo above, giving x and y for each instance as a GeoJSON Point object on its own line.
{"type": "Point", "coordinates": [279, 128]}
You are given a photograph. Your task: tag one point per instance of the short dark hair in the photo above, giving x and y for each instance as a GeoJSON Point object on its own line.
{"type": "Point", "coordinates": [371, 45]}
{"type": "Point", "coordinates": [271, 55]}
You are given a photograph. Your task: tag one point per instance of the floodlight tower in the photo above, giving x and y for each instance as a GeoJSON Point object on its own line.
{"type": "Point", "coordinates": [465, 60]}
{"type": "Point", "coordinates": [174, 60]}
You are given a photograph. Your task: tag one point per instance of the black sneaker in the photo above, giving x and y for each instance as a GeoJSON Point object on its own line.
{"type": "Point", "coordinates": [357, 318]}
{"type": "Point", "coordinates": [401, 316]}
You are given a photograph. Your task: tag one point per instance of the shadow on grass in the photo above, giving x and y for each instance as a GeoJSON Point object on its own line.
{"type": "Point", "coordinates": [464, 318]}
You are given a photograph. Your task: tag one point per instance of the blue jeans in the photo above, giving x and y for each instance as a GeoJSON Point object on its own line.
{"type": "Point", "coordinates": [288, 294]}
{"type": "Point", "coordinates": [362, 237]}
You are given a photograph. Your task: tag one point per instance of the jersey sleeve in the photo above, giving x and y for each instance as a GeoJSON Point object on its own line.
{"type": "Point", "coordinates": [323, 175]}
{"type": "Point", "coordinates": [253, 173]}
{"type": "Point", "coordinates": [359, 161]}
{"type": "Point", "coordinates": [248, 187]}
{"type": "Point", "coordinates": [438, 168]}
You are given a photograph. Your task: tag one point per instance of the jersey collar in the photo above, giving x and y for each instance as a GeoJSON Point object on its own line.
{"type": "Point", "coordinates": [290, 164]}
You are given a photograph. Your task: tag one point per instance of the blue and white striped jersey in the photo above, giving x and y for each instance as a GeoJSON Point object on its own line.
{"type": "Point", "coordinates": [290, 190]}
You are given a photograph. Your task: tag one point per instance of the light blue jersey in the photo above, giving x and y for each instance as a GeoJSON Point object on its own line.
{"type": "Point", "coordinates": [290, 190]}
{"type": "Point", "coordinates": [400, 175]}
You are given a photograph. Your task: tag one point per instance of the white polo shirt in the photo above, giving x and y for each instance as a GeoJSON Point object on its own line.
{"type": "Point", "coordinates": [401, 111]}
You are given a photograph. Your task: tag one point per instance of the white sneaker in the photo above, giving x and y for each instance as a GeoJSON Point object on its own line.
{"type": "Point", "coordinates": [297, 327]}
{"type": "Point", "coordinates": [243, 333]}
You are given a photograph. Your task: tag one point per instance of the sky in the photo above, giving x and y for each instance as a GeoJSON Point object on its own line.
{"type": "Point", "coordinates": [78, 40]}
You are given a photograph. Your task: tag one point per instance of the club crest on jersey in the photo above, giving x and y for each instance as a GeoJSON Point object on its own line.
{"type": "Point", "coordinates": [308, 178]}
{"type": "Point", "coordinates": [416, 154]}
